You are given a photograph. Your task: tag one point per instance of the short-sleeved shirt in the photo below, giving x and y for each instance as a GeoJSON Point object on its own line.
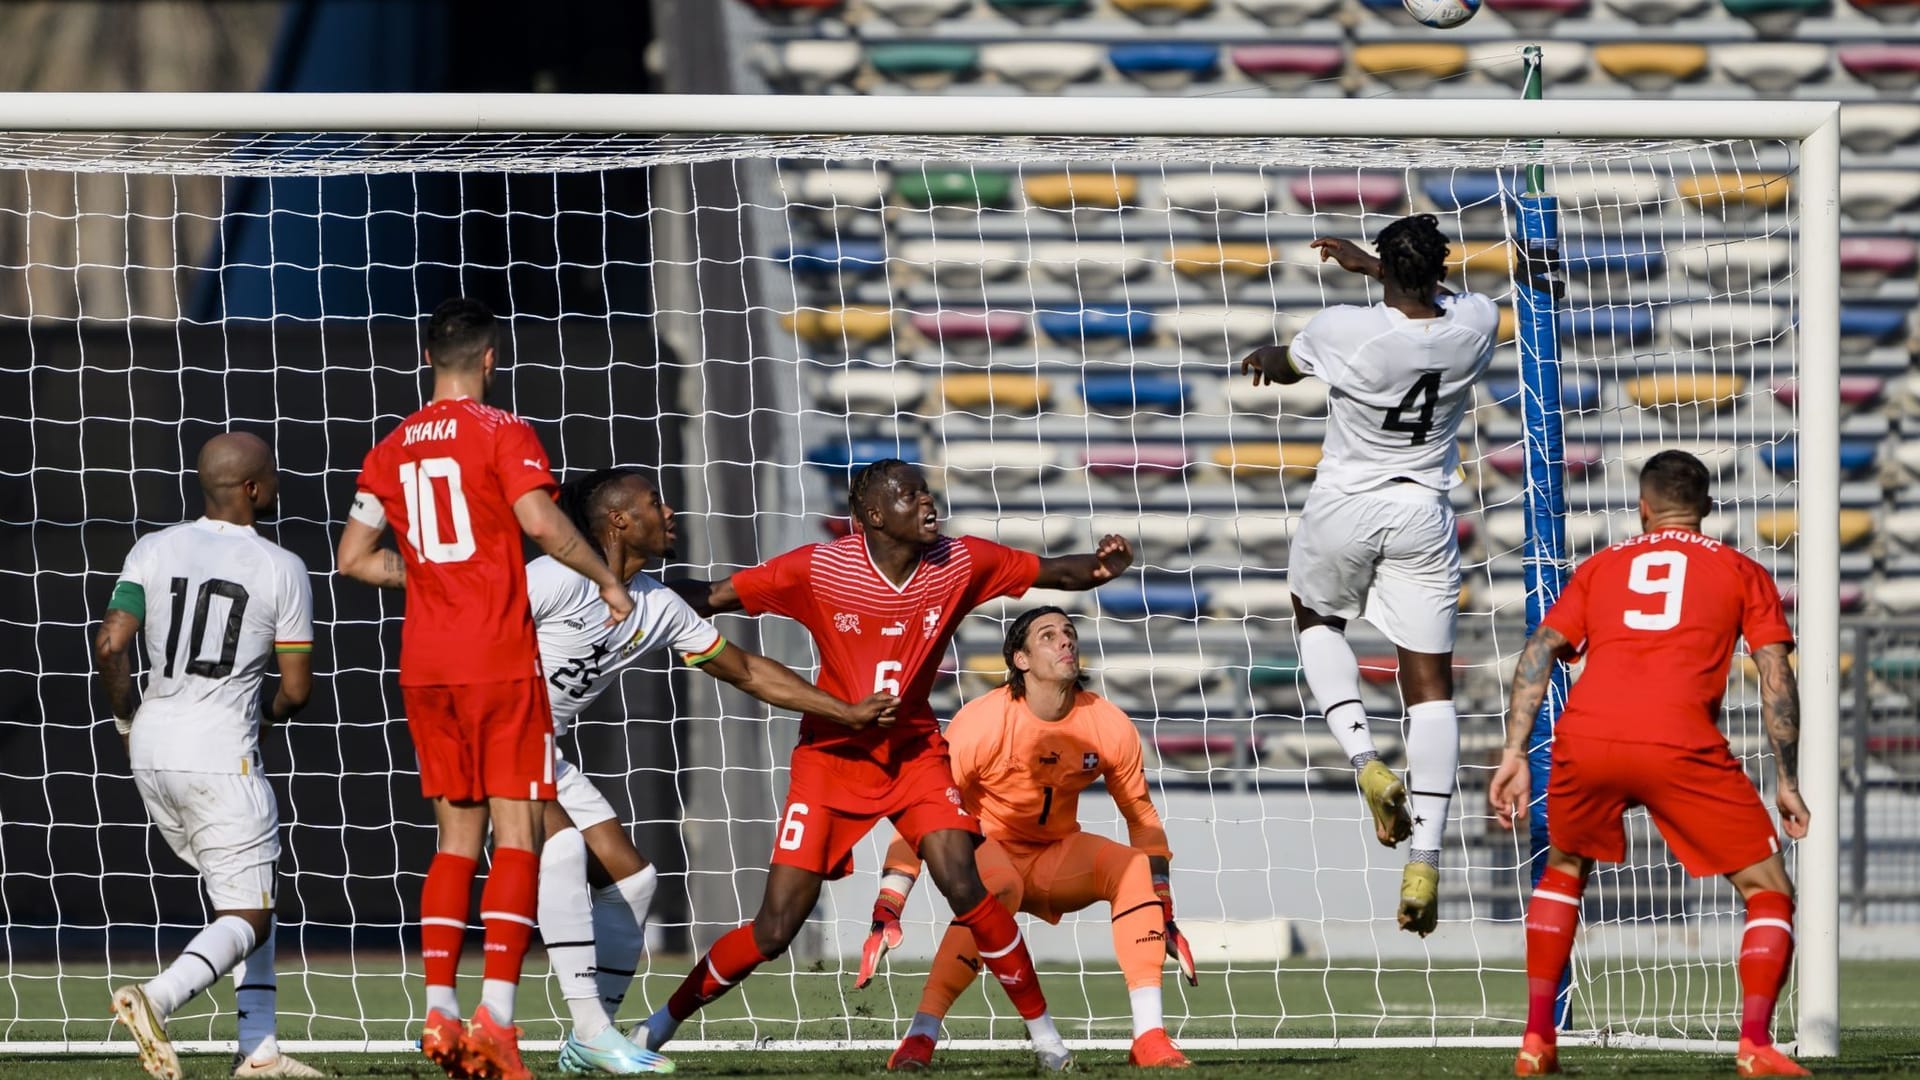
{"type": "Point", "coordinates": [582, 656]}
{"type": "Point", "coordinates": [1658, 617]}
{"type": "Point", "coordinates": [446, 479]}
{"type": "Point", "coordinates": [215, 599]}
{"type": "Point", "coordinates": [874, 636]}
{"type": "Point", "coordinates": [1022, 776]}
{"type": "Point", "coordinates": [1398, 389]}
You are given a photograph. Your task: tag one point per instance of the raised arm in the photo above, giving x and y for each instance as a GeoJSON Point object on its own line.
{"type": "Point", "coordinates": [1780, 712]}
{"type": "Point", "coordinates": [548, 526]}
{"type": "Point", "coordinates": [778, 685]}
{"type": "Point", "coordinates": [1082, 572]}
{"type": "Point", "coordinates": [1531, 677]}
{"type": "Point", "coordinates": [110, 648]}
{"type": "Point", "coordinates": [361, 557]}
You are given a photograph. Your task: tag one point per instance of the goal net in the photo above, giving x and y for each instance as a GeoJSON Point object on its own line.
{"type": "Point", "coordinates": [1050, 321]}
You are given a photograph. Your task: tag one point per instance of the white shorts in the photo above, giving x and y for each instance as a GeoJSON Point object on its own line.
{"type": "Point", "coordinates": [225, 825]}
{"type": "Point", "coordinates": [578, 796]}
{"type": "Point", "coordinates": [1390, 556]}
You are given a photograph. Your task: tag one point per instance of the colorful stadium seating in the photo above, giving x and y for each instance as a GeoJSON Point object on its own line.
{"type": "Point", "coordinates": [1223, 267]}
{"type": "Point", "coordinates": [1596, 256]}
{"type": "Point", "coordinates": [1263, 534]}
{"type": "Point", "coordinates": [1465, 192]}
{"type": "Point", "coordinates": [918, 14]}
{"type": "Point", "coordinates": [1875, 127]}
{"type": "Point", "coordinates": [1721, 325]}
{"type": "Point", "coordinates": [1480, 263]}
{"type": "Point", "coordinates": [1867, 261]}
{"type": "Point", "coordinates": [1042, 67]}
{"type": "Point", "coordinates": [1774, 18]}
{"type": "Point", "coordinates": [1286, 12]}
{"type": "Point", "coordinates": [1607, 327]}
{"type": "Point", "coordinates": [996, 392]}
{"type": "Point", "coordinates": [1774, 68]}
{"type": "Point", "coordinates": [827, 258]}
{"type": "Point", "coordinates": [1877, 194]}
{"type": "Point", "coordinates": [1345, 191]}
{"type": "Point", "coordinates": [1209, 193]}
{"type": "Point", "coordinates": [1891, 11]}
{"type": "Point", "coordinates": [1288, 66]}
{"type": "Point", "coordinates": [924, 65]}
{"type": "Point", "coordinates": [1410, 65]}
{"type": "Point", "coordinates": [1162, 12]}
{"type": "Point", "coordinates": [1561, 62]}
{"type": "Point", "coordinates": [839, 460]}
{"type": "Point", "coordinates": [1651, 67]}
{"type": "Point", "coordinates": [1862, 326]}
{"type": "Point", "coordinates": [1087, 189]}
{"type": "Point", "coordinates": [958, 262]}
{"type": "Point", "coordinates": [1141, 463]}
{"type": "Point", "coordinates": [1224, 332]}
{"type": "Point", "coordinates": [1096, 327]}
{"type": "Point", "coordinates": [1711, 390]}
{"type": "Point", "coordinates": [853, 327]}
{"type": "Point", "coordinates": [1728, 192]}
{"type": "Point", "coordinates": [1855, 391]}
{"type": "Point", "coordinates": [1251, 599]}
{"type": "Point", "coordinates": [999, 466]}
{"type": "Point", "coordinates": [1656, 12]}
{"type": "Point", "coordinates": [1287, 461]}
{"type": "Point", "coordinates": [1512, 461]}
{"type": "Point", "coordinates": [1578, 393]}
{"type": "Point", "coordinates": [1022, 529]}
{"type": "Point", "coordinates": [880, 391]}
{"type": "Point", "coordinates": [1094, 266]}
{"type": "Point", "coordinates": [1127, 392]}
{"type": "Point", "coordinates": [843, 194]}
{"type": "Point", "coordinates": [1165, 65]}
{"type": "Point", "coordinates": [1601, 192]}
{"type": "Point", "coordinates": [1740, 265]}
{"type": "Point", "coordinates": [809, 65]}
{"type": "Point", "coordinates": [1039, 12]}
{"type": "Point", "coordinates": [1306, 398]}
{"type": "Point", "coordinates": [1893, 67]}
{"type": "Point", "coordinates": [1135, 597]}
{"type": "Point", "coordinates": [963, 189]}
{"type": "Point", "coordinates": [1161, 539]}
{"type": "Point", "coordinates": [966, 327]}
{"type": "Point", "coordinates": [1778, 527]}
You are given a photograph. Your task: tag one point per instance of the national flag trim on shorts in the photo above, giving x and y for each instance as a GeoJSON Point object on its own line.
{"type": "Point", "coordinates": [293, 646]}
{"type": "Point", "coordinates": [713, 650]}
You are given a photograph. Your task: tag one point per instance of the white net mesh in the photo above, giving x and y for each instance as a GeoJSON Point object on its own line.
{"type": "Point", "coordinates": [1052, 327]}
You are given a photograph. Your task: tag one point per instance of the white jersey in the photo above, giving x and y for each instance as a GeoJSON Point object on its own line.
{"type": "Point", "coordinates": [216, 599]}
{"type": "Point", "coordinates": [1399, 388]}
{"type": "Point", "coordinates": [581, 656]}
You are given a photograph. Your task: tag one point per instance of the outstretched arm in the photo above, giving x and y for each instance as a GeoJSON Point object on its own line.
{"type": "Point", "coordinates": [778, 685]}
{"type": "Point", "coordinates": [1082, 572]}
{"type": "Point", "coordinates": [1271, 364]}
{"type": "Point", "coordinates": [1531, 677]}
{"type": "Point", "coordinates": [1780, 712]}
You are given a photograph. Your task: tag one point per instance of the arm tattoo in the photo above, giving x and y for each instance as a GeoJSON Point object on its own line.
{"type": "Point", "coordinates": [395, 568]}
{"type": "Point", "coordinates": [1530, 679]}
{"type": "Point", "coordinates": [1780, 710]}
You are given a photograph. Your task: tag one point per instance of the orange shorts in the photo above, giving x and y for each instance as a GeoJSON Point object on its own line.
{"type": "Point", "coordinates": [1702, 801]}
{"type": "Point", "coordinates": [1073, 873]}
{"type": "Point", "coordinates": [833, 802]}
{"type": "Point", "coordinates": [482, 740]}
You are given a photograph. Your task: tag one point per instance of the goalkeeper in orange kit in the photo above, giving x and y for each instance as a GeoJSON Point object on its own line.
{"type": "Point", "coordinates": [1021, 757]}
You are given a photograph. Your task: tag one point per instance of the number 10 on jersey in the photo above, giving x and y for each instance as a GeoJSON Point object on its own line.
{"type": "Point", "coordinates": [421, 481]}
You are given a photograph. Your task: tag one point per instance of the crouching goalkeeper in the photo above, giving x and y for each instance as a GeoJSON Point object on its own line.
{"type": "Point", "coordinates": [1021, 757]}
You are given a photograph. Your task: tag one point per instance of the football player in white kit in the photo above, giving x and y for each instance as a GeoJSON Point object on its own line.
{"type": "Point", "coordinates": [594, 936]}
{"type": "Point", "coordinates": [1377, 539]}
{"type": "Point", "coordinates": [216, 601]}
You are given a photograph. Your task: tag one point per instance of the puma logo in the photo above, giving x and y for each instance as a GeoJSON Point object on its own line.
{"type": "Point", "coordinates": [1151, 937]}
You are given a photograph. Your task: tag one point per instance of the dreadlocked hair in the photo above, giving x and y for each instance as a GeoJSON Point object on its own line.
{"type": "Point", "coordinates": [870, 476]}
{"type": "Point", "coordinates": [1413, 253]}
{"type": "Point", "coordinates": [1017, 642]}
{"type": "Point", "coordinates": [584, 497]}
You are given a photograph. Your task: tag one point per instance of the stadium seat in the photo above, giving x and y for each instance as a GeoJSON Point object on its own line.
{"type": "Point", "coordinates": [1142, 463]}
{"type": "Point", "coordinates": [1856, 456]}
{"type": "Point", "coordinates": [879, 391]}
{"type": "Point", "coordinates": [1286, 12]}
{"type": "Point", "coordinates": [1457, 191]}
{"type": "Point", "coordinates": [1863, 326]}
{"type": "Point", "coordinates": [1772, 67]}
{"type": "Point", "coordinates": [1561, 62]}
{"type": "Point", "coordinates": [1165, 65]}
{"type": "Point", "coordinates": [1088, 189]}
{"type": "Point", "coordinates": [961, 326]}
{"type": "Point", "coordinates": [1605, 191]}
{"type": "Point", "coordinates": [1607, 327]}
{"type": "Point", "coordinates": [840, 459]}
{"type": "Point", "coordinates": [1481, 261]}
{"type": "Point", "coordinates": [808, 65]}
{"type": "Point", "coordinates": [1509, 324]}
{"type": "Point", "coordinates": [964, 187]}
{"type": "Point", "coordinates": [1390, 10]}
{"type": "Point", "coordinates": [1194, 752]}
{"type": "Point", "coordinates": [918, 14]}
{"type": "Point", "coordinates": [1221, 332]}
{"type": "Point", "coordinates": [1258, 534]}
{"type": "Point", "coordinates": [1723, 192]}
{"type": "Point", "coordinates": [1345, 191]}
{"type": "Point", "coordinates": [1887, 66]}
{"type": "Point", "coordinates": [1592, 256]}
{"type": "Point", "coordinates": [1506, 530]}
{"type": "Point", "coordinates": [1578, 393]}
{"type": "Point", "coordinates": [1270, 600]}
{"type": "Point", "coordinates": [1718, 324]}
{"type": "Point", "coordinates": [1528, 16]}
{"type": "Point", "coordinates": [960, 262]}
{"type": "Point", "coordinates": [1410, 65]}
{"type": "Point", "coordinates": [1898, 595]}
{"type": "Point", "coordinates": [1096, 327]}
{"type": "Point", "coordinates": [830, 257]}
{"type": "Point", "coordinates": [1852, 596]}
{"type": "Point", "coordinates": [1890, 11]}
{"type": "Point", "coordinates": [1712, 390]}
{"type": "Point", "coordinates": [996, 465]}
{"type": "Point", "coordinates": [1126, 392]}
{"type": "Point", "coordinates": [1207, 193]}
{"type": "Point", "coordinates": [1741, 265]}
{"type": "Point", "coordinates": [1778, 527]}
{"type": "Point", "coordinates": [794, 11]}
{"type": "Point", "coordinates": [1042, 67]}
{"type": "Point", "coordinates": [1039, 12]}
{"type": "Point", "coordinates": [1137, 598]}
{"type": "Point", "coordinates": [1306, 398]}
{"type": "Point", "coordinates": [1904, 527]}
{"type": "Point", "coordinates": [1287, 461]}
{"type": "Point", "coordinates": [852, 327]}
{"type": "Point", "coordinates": [1856, 391]}
{"type": "Point", "coordinates": [1289, 66]}
{"type": "Point", "coordinates": [1651, 67]}
{"type": "Point", "coordinates": [1512, 460]}
{"type": "Point", "coordinates": [1875, 127]}
{"type": "Point", "coordinates": [1223, 267]}
{"type": "Point", "coordinates": [1867, 261]}
{"type": "Point", "coordinates": [924, 65]}
{"type": "Point", "coordinates": [1159, 539]}
{"type": "Point", "coordinates": [1153, 682]}
{"type": "Point", "coordinates": [996, 392]}
{"type": "Point", "coordinates": [1775, 18]}
{"type": "Point", "coordinates": [1655, 12]}
{"type": "Point", "coordinates": [843, 190]}
{"type": "Point", "coordinates": [1029, 530]}
{"type": "Point", "coordinates": [1877, 194]}
{"type": "Point", "coordinates": [1093, 266]}
{"type": "Point", "coordinates": [1162, 12]}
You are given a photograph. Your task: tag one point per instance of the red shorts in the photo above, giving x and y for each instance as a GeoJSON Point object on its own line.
{"type": "Point", "coordinates": [1701, 800]}
{"type": "Point", "coordinates": [833, 802]}
{"type": "Point", "coordinates": [482, 740]}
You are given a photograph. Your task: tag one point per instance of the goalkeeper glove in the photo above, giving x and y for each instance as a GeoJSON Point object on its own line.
{"type": "Point", "coordinates": [886, 933]}
{"type": "Point", "coordinates": [1177, 946]}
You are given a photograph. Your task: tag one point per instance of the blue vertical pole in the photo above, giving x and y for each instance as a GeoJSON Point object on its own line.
{"type": "Point", "coordinates": [1536, 317]}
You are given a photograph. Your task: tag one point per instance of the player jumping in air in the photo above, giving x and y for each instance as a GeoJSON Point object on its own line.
{"type": "Point", "coordinates": [594, 936]}
{"type": "Point", "coordinates": [882, 604]}
{"type": "Point", "coordinates": [1657, 617]}
{"type": "Point", "coordinates": [1022, 755]}
{"type": "Point", "coordinates": [1377, 537]}
{"type": "Point", "coordinates": [195, 739]}
{"type": "Point", "coordinates": [460, 481]}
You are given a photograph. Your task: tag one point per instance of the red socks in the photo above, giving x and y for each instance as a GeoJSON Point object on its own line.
{"type": "Point", "coordinates": [507, 907]}
{"type": "Point", "coordinates": [731, 959]}
{"type": "Point", "coordinates": [444, 902]}
{"type": "Point", "coordinates": [1766, 952]}
{"type": "Point", "coordinates": [1552, 917]}
{"type": "Point", "coordinates": [997, 937]}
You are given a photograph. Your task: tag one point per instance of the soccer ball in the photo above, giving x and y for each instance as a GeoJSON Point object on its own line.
{"type": "Point", "coordinates": [1441, 14]}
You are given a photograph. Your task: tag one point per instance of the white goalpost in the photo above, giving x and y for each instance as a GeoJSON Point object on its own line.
{"type": "Point", "coordinates": [1042, 300]}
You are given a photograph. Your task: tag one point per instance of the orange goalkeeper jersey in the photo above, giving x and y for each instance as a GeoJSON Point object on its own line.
{"type": "Point", "coordinates": [1022, 776]}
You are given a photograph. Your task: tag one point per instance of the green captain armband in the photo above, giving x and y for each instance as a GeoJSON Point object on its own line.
{"type": "Point", "coordinates": [130, 597]}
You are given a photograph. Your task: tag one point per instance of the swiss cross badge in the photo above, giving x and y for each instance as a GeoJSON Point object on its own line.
{"type": "Point", "coordinates": [1089, 761]}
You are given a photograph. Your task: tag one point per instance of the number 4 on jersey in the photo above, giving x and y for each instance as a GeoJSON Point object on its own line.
{"type": "Point", "coordinates": [1420, 402]}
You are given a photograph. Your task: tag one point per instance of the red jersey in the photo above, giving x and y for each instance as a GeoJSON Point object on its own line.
{"type": "Point", "coordinates": [875, 636]}
{"type": "Point", "coordinates": [446, 479]}
{"type": "Point", "coordinates": [1657, 617]}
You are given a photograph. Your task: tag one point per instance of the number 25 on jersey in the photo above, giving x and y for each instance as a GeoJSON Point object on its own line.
{"type": "Point", "coordinates": [423, 483]}
{"type": "Point", "coordinates": [1670, 587]}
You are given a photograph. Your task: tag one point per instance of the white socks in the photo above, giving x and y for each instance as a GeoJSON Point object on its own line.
{"type": "Point", "coordinates": [1147, 1013]}
{"type": "Point", "coordinates": [441, 999]}
{"type": "Point", "coordinates": [593, 938]}
{"type": "Point", "coordinates": [1333, 674]}
{"type": "Point", "coordinates": [620, 933]}
{"type": "Point", "coordinates": [255, 990]}
{"type": "Point", "coordinates": [497, 996]}
{"type": "Point", "coordinates": [212, 953]}
{"type": "Point", "coordinates": [1433, 760]}
{"type": "Point", "coordinates": [1045, 1036]}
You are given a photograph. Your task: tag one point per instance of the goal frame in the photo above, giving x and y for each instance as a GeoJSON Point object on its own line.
{"type": "Point", "coordinates": [1813, 125]}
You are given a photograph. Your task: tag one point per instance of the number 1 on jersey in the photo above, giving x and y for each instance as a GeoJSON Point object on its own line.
{"type": "Point", "coordinates": [423, 512]}
{"type": "Point", "coordinates": [1671, 589]}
